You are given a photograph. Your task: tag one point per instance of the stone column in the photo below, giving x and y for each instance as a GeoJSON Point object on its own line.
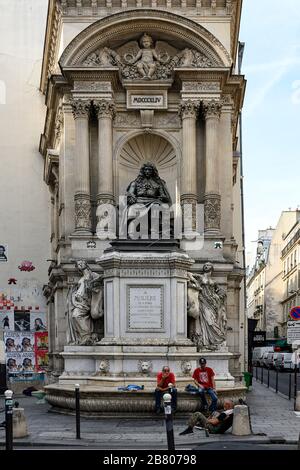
{"type": "Point", "coordinates": [105, 110]}
{"type": "Point", "coordinates": [83, 219]}
{"type": "Point", "coordinates": [212, 198]}
{"type": "Point", "coordinates": [188, 113]}
{"type": "Point", "coordinates": [226, 170]}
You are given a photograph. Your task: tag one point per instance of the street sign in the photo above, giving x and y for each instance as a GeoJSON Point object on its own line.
{"type": "Point", "coordinates": [293, 331]}
{"type": "Point", "coordinates": [295, 313]}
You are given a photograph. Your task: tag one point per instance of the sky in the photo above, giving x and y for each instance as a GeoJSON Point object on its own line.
{"type": "Point", "coordinates": [271, 113]}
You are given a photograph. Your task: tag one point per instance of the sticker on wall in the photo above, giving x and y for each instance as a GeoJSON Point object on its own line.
{"type": "Point", "coordinates": [3, 253]}
{"type": "Point", "coordinates": [91, 244]}
{"type": "Point", "coordinates": [12, 280]}
{"type": "Point", "coordinates": [26, 266]}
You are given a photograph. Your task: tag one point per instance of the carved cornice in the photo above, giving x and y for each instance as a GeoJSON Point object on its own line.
{"type": "Point", "coordinates": [81, 108]}
{"type": "Point", "coordinates": [212, 109]}
{"type": "Point", "coordinates": [189, 109]}
{"type": "Point", "coordinates": [104, 108]}
{"type": "Point", "coordinates": [87, 8]}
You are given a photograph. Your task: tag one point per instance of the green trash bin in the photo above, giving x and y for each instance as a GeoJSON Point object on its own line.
{"type": "Point", "coordinates": [248, 379]}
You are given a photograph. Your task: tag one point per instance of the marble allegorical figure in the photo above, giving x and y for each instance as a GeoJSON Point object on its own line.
{"type": "Point", "coordinates": [85, 307]}
{"type": "Point", "coordinates": [206, 310]}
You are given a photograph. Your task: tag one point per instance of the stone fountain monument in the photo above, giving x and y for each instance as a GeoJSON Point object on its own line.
{"type": "Point", "coordinates": [143, 106]}
{"type": "Point", "coordinates": [144, 310]}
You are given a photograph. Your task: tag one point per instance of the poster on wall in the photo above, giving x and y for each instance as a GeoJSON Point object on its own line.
{"type": "Point", "coordinates": [20, 362]}
{"type": "Point", "coordinates": [22, 320]}
{"type": "Point", "coordinates": [7, 320]}
{"type": "Point", "coordinates": [38, 321]}
{"type": "Point", "coordinates": [27, 342]}
{"type": "Point", "coordinates": [41, 341]}
{"type": "Point", "coordinates": [41, 350]}
{"type": "Point", "coordinates": [3, 253]}
{"type": "Point", "coordinates": [41, 360]}
{"type": "Point", "coordinates": [12, 341]}
{"type": "Point", "coordinates": [17, 341]}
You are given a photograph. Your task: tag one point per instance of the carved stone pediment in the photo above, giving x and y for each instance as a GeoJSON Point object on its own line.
{"type": "Point", "coordinates": [146, 60]}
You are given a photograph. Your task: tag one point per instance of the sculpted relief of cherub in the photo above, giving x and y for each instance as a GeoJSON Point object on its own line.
{"type": "Point", "coordinates": [146, 59]}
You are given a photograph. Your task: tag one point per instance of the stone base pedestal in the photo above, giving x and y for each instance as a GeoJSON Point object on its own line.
{"type": "Point", "coordinates": [111, 366]}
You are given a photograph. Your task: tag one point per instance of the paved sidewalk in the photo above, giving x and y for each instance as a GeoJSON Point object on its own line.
{"type": "Point", "coordinates": [271, 415]}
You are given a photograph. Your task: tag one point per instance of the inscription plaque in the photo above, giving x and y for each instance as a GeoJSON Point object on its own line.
{"type": "Point", "coordinates": [149, 99]}
{"type": "Point", "coordinates": [144, 305]}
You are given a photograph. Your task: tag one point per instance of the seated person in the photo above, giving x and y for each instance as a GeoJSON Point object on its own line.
{"type": "Point", "coordinates": [165, 382]}
{"type": "Point", "coordinates": [217, 423]}
{"type": "Point", "coordinates": [204, 380]}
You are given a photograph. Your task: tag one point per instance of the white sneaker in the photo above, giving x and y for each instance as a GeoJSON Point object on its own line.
{"type": "Point", "coordinates": [199, 427]}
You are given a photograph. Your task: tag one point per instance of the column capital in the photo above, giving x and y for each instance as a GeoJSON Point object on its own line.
{"type": "Point", "coordinates": [80, 108]}
{"type": "Point", "coordinates": [105, 108]}
{"type": "Point", "coordinates": [189, 109]}
{"type": "Point", "coordinates": [212, 109]}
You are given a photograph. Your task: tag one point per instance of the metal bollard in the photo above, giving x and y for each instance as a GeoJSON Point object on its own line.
{"type": "Point", "coordinates": [262, 375]}
{"type": "Point", "coordinates": [256, 374]}
{"type": "Point", "coordinates": [77, 410]}
{"type": "Point", "coordinates": [169, 421]}
{"type": "Point", "coordinates": [268, 377]}
{"type": "Point", "coordinates": [290, 386]}
{"type": "Point", "coordinates": [276, 389]}
{"type": "Point", "coordinates": [8, 420]}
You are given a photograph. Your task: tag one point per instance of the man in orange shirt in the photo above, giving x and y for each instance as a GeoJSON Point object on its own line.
{"type": "Point", "coordinates": [165, 384]}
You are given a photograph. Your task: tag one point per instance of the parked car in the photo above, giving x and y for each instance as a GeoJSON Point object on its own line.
{"type": "Point", "coordinates": [284, 361]}
{"type": "Point", "coordinates": [257, 354]}
{"type": "Point", "coordinates": [269, 359]}
{"type": "Point", "coordinates": [264, 360]}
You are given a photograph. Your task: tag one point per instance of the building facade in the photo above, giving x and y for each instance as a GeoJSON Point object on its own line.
{"type": "Point", "coordinates": [272, 287]}
{"type": "Point", "coordinates": [257, 278]}
{"type": "Point", "coordinates": [291, 272]}
{"type": "Point", "coordinates": [126, 82]}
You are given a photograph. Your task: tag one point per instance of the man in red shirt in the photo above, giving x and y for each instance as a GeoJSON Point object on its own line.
{"type": "Point", "coordinates": [204, 379]}
{"type": "Point", "coordinates": [165, 384]}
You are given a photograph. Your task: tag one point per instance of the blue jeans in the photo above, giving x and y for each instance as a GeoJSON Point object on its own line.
{"type": "Point", "coordinates": [159, 394]}
{"type": "Point", "coordinates": [213, 397]}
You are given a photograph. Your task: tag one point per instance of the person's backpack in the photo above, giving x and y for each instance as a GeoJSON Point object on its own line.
{"type": "Point", "coordinates": [191, 389]}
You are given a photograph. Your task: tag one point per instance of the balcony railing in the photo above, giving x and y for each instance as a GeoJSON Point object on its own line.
{"type": "Point", "coordinates": [291, 243]}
